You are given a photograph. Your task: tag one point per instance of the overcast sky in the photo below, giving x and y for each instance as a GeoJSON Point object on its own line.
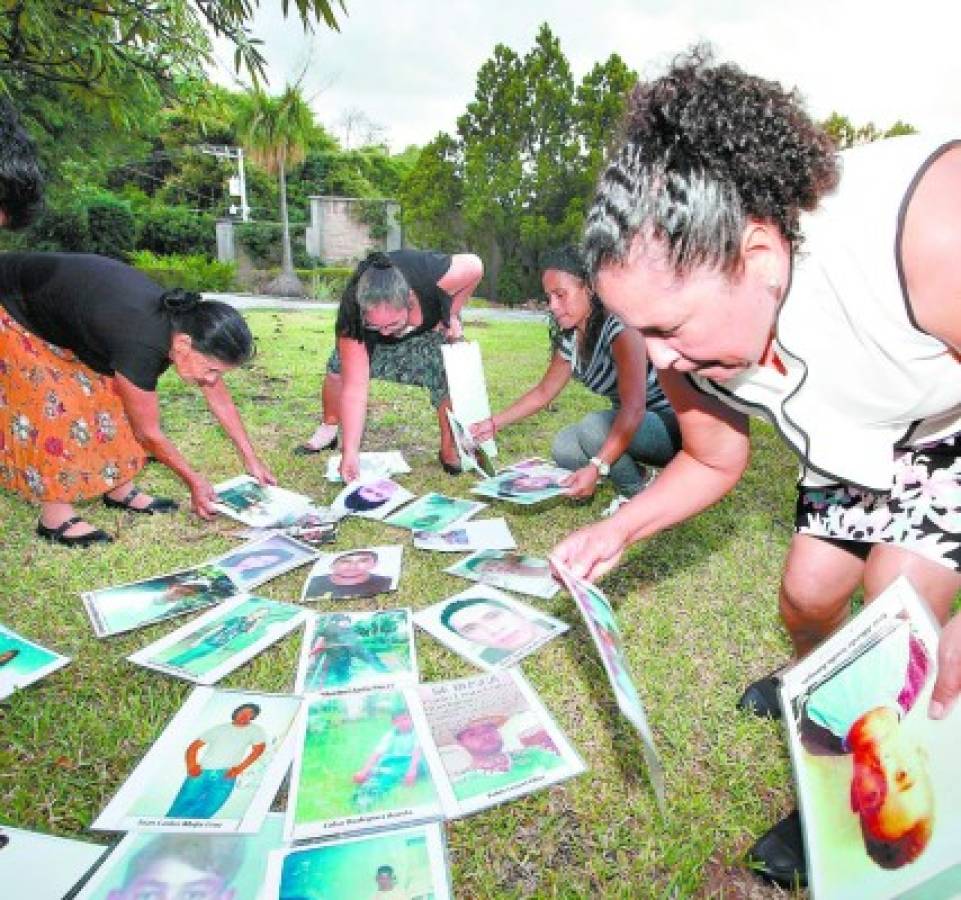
{"type": "Point", "coordinates": [411, 65]}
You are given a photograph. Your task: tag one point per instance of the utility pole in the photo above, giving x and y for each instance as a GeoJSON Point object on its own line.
{"type": "Point", "coordinates": [237, 186]}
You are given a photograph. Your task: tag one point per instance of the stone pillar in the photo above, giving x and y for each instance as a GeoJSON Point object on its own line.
{"type": "Point", "coordinates": [226, 249]}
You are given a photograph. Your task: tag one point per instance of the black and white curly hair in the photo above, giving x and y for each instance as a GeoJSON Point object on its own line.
{"type": "Point", "coordinates": [705, 148]}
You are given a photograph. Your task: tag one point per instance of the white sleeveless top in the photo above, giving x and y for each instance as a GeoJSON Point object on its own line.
{"type": "Point", "coordinates": [862, 378]}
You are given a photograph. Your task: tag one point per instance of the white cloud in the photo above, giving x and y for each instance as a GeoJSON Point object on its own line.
{"type": "Point", "coordinates": [411, 66]}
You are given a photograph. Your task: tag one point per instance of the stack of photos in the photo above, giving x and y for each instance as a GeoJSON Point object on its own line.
{"type": "Point", "coordinates": [495, 739]}
{"type": "Point", "coordinates": [472, 455]}
{"type": "Point", "coordinates": [41, 866]}
{"type": "Point", "coordinates": [486, 534]}
{"type": "Point", "coordinates": [510, 571]}
{"type": "Point", "coordinates": [372, 465]}
{"type": "Point", "coordinates": [137, 604]}
{"type": "Point", "coordinates": [352, 651]}
{"type": "Point", "coordinates": [467, 386]}
{"type": "Point", "coordinates": [260, 560]}
{"type": "Point", "coordinates": [207, 649]}
{"type": "Point", "coordinates": [316, 525]}
{"type": "Point", "coordinates": [434, 512]}
{"type": "Point", "coordinates": [488, 628]}
{"type": "Point", "coordinates": [877, 779]}
{"type": "Point", "coordinates": [259, 505]}
{"type": "Point", "coordinates": [406, 863]}
{"type": "Point", "coordinates": [363, 763]}
{"type": "Point", "coordinates": [23, 662]}
{"type": "Point", "coordinates": [374, 498]}
{"type": "Point", "coordinates": [525, 483]}
{"type": "Point", "coordinates": [364, 572]}
{"type": "Point", "coordinates": [188, 866]}
{"type": "Point", "coordinates": [216, 767]}
{"type": "Point", "coordinates": [599, 618]}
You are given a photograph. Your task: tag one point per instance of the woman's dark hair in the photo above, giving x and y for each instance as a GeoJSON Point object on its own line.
{"type": "Point", "coordinates": [215, 329]}
{"type": "Point", "coordinates": [376, 280]}
{"type": "Point", "coordinates": [704, 148]}
{"type": "Point", "coordinates": [21, 184]}
{"type": "Point", "coordinates": [569, 259]}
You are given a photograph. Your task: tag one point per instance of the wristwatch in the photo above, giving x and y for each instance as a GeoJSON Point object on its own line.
{"type": "Point", "coordinates": [603, 468]}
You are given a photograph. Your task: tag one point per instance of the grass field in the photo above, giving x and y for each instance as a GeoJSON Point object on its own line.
{"type": "Point", "coordinates": [697, 607]}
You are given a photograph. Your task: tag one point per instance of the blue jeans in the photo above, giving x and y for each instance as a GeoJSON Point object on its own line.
{"type": "Point", "coordinates": [655, 442]}
{"type": "Point", "coordinates": [202, 797]}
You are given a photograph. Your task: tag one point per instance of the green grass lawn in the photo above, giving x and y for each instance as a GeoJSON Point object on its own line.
{"type": "Point", "coordinates": [697, 607]}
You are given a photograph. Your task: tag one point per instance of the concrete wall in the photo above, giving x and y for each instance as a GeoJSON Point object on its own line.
{"type": "Point", "coordinates": [337, 237]}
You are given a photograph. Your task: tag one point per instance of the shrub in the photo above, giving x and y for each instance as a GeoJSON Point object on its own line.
{"type": "Point", "coordinates": [191, 272]}
{"type": "Point", "coordinates": [112, 227]}
{"type": "Point", "coordinates": [262, 243]}
{"type": "Point", "coordinates": [175, 230]}
{"type": "Point", "coordinates": [59, 229]}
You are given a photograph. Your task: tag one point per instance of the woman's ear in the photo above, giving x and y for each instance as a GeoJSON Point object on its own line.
{"type": "Point", "coordinates": [181, 343]}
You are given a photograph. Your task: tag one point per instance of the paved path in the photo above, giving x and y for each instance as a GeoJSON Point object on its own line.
{"type": "Point", "coordinates": [291, 304]}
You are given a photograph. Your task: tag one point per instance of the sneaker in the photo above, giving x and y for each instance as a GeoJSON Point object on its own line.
{"type": "Point", "coordinates": [618, 501]}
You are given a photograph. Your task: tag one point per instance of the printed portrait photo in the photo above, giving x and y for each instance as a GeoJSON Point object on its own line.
{"type": "Point", "coordinates": [364, 572]}
{"type": "Point", "coordinates": [375, 498]}
{"type": "Point", "coordinates": [347, 651]}
{"type": "Point", "coordinates": [434, 512]}
{"type": "Point", "coordinates": [361, 762]}
{"type": "Point", "coordinates": [129, 606]}
{"type": "Point", "coordinates": [487, 627]}
{"type": "Point", "coordinates": [509, 571]}
{"type": "Point", "coordinates": [263, 559]}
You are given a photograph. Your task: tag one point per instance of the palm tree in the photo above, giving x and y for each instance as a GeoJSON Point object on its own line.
{"type": "Point", "coordinates": [276, 132]}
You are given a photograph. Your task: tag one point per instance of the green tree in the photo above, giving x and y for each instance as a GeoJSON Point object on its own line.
{"type": "Point", "coordinates": [100, 46]}
{"type": "Point", "coordinates": [432, 196]}
{"type": "Point", "coordinates": [846, 134]}
{"type": "Point", "coordinates": [276, 132]}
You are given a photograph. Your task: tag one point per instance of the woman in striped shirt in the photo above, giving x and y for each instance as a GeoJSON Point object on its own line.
{"type": "Point", "coordinates": [595, 348]}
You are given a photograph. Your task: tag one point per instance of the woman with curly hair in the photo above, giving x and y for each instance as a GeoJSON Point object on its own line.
{"type": "Point", "coordinates": [593, 347]}
{"type": "Point", "coordinates": [766, 282]}
{"type": "Point", "coordinates": [83, 342]}
{"type": "Point", "coordinates": [396, 311]}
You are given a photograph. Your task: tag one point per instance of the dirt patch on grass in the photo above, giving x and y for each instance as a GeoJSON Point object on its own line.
{"type": "Point", "coordinates": [734, 882]}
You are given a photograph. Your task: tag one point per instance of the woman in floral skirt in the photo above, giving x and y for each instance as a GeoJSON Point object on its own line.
{"type": "Point", "coordinates": [83, 341]}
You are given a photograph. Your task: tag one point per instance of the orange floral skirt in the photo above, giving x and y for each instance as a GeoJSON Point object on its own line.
{"type": "Point", "coordinates": [64, 435]}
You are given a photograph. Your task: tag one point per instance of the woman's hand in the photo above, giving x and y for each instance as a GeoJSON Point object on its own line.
{"type": "Point", "coordinates": [592, 551]}
{"type": "Point", "coordinates": [582, 483]}
{"type": "Point", "coordinates": [455, 330]}
{"type": "Point", "coordinates": [483, 430]}
{"type": "Point", "coordinates": [259, 471]}
{"type": "Point", "coordinates": [202, 498]}
{"type": "Point", "coordinates": [349, 468]}
{"type": "Point", "coordinates": [948, 685]}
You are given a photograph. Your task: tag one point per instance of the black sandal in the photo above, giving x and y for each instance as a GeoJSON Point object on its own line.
{"type": "Point", "coordinates": [57, 535]}
{"type": "Point", "coordinates": [447, 467]}
{"type": "Point", "coordinates": [307, 450]}
{"type": "Point", "coordinates": [157, 505]}
{"type": "Point", "coordinates": [762, 697]}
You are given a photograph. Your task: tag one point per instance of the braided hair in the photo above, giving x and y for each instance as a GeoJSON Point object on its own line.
{"type": "Point", "coordinates": [703, 149]}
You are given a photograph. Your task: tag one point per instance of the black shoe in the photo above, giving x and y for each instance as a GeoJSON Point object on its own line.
{"type": "Point", "coordinates": [447, 467]}
{"type": "Point", "coordinates": [157, 505]}
{"type": "Point", "coordinates": [57, 536]}
{"type": "Point", "coordinates": [762, 697]}
{"type": "Point", "coordinates": [778, 855]}
{"type": "Point", "coordinates": [307, 450]}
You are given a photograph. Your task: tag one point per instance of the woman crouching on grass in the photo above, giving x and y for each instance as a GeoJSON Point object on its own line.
{"type": "Point", "coordinates": [83, 340]}
{"type": "Point", "coordinates": [593, 347]}
{"type": "Point", "coordinates": [397, 310]}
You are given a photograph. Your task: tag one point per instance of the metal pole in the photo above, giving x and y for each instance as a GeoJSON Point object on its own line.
{"type": "Point", "coordinates": [244, 208]}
